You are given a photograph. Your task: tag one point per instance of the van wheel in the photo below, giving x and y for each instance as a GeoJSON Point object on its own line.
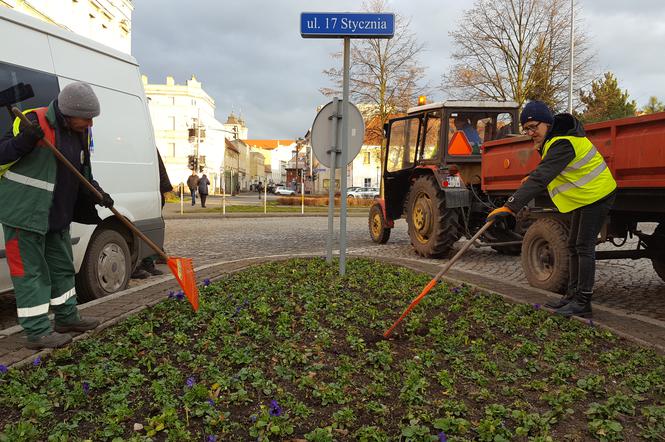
{"type": "Point", "coordinates": [545, 255]}
{"type": "Point", "coordinates": [378, 231]}
{"type": "Point", "coordinates": [106, 266]}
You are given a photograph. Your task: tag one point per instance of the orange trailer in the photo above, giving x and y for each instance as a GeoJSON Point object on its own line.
{"type": "Point", "coordinates": [634, 149]}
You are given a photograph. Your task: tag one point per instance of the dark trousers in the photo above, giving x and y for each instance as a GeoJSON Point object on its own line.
{"type": "Point", "coordinates": [203, 197]}
{"type": "Point", "coordinates": [193, 192]}
{"type": "Point", "coordinates": [585, 226]}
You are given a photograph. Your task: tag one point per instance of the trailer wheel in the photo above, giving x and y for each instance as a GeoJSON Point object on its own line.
{"type": "Point", "coordinates": [545, 255]}
{"type": "Point", "coordinates": [433, 228]}
{"type": "Point", "coordinates": [378, 231]}
{"type": "Point", "coordinates": [659, 244]}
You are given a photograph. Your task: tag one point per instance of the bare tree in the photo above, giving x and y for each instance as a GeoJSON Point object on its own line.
{"type": "Point", "coordinates": [385, 74]}
{"type": "Point", "coordinates": [517, 50]}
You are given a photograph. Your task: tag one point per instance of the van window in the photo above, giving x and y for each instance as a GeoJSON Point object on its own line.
{"type": "Point", "coordinates": [45, 87]}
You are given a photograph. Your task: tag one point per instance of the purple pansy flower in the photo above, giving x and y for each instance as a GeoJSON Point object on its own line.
{"type": "Point", "coordinates": [206, 282]}
{"type": "Point", "coordinates": [211, 402]}
{"type": "Point", "coordinates": [456, 290]}
{"type": "Point", "coordinates": [3, 369]}
{"type": "Point", "coordinates": [86, 387]}
{"type": "Point", "coordinates": [591, 322]}
{"type": "Point", "coordinates": [275, 409]}
{"type": "Point", "coordinates": [442, 437]}
{"type": "Point", "coordinates": [211, 438]}
{"type": "Point", "coordinates": [37, 361]}
{"type": "Point", "coordinates": [180, 295]}
{"type": "Point", "coordinates": [536, 306]}
{"type": "Point", "coordinates": [190, 382]}
{"type": "Point", "coordinates": [171, 294]}
{"type": "Point", "coordinates": [253, 418]}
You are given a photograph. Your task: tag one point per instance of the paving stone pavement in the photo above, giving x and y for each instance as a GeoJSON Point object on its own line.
{"type": "Point", "coordinates": [632, 285]}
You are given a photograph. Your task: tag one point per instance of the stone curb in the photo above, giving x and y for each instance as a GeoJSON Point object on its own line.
{"type": "Point", "coordinates": [646, 332]}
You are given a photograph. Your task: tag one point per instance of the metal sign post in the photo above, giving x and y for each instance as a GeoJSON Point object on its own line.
{"type": "Point", "coordinates": [331, 182]}
{"type": "Point", "coordinates": [346, 26]}
{"type": "Point", "coordinates": [345, 157]}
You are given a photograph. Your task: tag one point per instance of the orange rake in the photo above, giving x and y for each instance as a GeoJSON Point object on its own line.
{"type": "Point", "coordinates": [181, 268]}
{"type": "Point", "coordinates": [438, 276]}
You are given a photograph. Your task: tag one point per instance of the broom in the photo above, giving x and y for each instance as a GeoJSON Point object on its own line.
{"type": "Point", "coordinates": [181, 268]}
{"type": "Point", "coordinates": [438, 276]}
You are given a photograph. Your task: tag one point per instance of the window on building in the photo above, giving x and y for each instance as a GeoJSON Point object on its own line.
{"type": "Point", "coordinates": [367, 158]}
{"type": "Point", "coordinates": [368, 182]}
{"type": "Point", "coordinates": [171, 123]}
{"type": "Point", "coordinates": [171, 150]}
{"type": "Point", "coordinates": [172, 101]}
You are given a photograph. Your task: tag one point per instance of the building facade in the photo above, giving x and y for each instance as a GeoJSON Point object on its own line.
{"type": "Point", "coordinates": [106, 21]}
{"type": "Point", "coordinates": [183, 117]}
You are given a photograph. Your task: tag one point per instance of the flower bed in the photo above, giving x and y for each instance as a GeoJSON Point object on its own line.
{"type": "Point", "coordinates": [291, 351]}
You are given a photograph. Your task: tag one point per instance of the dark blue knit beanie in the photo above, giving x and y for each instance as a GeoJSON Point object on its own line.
{"type": "Point", "coordinates": [536, 111]}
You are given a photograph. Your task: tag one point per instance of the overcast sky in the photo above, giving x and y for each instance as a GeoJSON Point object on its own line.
{"type": "Point", "coordinates": [251, 59]}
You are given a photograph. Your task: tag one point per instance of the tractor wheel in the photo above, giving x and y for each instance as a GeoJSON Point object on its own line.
{"type": "Point", "coordinates": [377, 225]}
{"type": "Point", "coordinates": [659, 244]}
{"type": "Point", "coordinates": [545, 255]}
{"type": "Point", "coordinates": [433, 228]}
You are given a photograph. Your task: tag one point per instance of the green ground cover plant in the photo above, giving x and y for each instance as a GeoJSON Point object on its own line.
{"type": "Point", "coordinates": [291, 351]}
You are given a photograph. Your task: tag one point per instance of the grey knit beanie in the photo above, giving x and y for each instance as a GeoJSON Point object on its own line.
{"type": "Point", "coordinates": [78, 100]}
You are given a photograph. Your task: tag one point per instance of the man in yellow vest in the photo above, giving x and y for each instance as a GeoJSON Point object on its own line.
{"type": "Point", "coordinates": [579, 182]}
{"type": "Point", "coordinates": [39, 199]}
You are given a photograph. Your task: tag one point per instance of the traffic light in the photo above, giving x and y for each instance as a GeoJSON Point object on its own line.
{"type": "Point", "coordinates": [192, 162]}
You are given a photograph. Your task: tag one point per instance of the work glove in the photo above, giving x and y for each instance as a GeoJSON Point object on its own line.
{"type": "Point", "coordinates": [106, 200]}
{"type": "Point", "coordinates": [31, 133]}
{"type": "Point", "coordinates": [503, 218]}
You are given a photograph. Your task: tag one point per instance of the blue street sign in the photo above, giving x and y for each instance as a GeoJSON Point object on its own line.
{"type": "Point", "coordinates": [346, 24]}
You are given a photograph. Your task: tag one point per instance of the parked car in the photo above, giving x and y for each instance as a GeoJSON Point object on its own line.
{"type": "Point", "coordinates": [362, 192]}
{"type": "Point", "coordinates": [124, 161]}
{"type": "Point", "coordinates": [281, 190]}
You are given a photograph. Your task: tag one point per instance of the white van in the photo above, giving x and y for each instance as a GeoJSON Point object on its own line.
{"type": "Point", "coordinates": [124, 159]}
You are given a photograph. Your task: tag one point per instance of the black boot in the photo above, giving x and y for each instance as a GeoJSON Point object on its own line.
{"type": "Point", "coordinates": [579, 306]}
{"type": "Point", "coordinates": [565, 299]}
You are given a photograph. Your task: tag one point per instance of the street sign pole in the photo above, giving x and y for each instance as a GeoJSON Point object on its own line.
{"type": "Point", "coordinates": [345, 157]}
{"type": "Point", "coordinates": [347, 26]}
{"type": "Point", "coordinates": [331, 182]}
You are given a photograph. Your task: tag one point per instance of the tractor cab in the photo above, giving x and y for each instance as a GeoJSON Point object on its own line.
{"type": "Point", "coordinates": [431, 166]}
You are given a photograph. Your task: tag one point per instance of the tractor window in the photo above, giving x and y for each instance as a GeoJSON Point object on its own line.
{"type": "Point", "coordinates": [432, 131]}
{"type": "Point", "coordinates": [504, 126]}
{"type": "Point", "coordinates": [403, 144]}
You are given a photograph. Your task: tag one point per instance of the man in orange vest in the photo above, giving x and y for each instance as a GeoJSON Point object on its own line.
{"type": "Point", "coordinates": [39, 199]}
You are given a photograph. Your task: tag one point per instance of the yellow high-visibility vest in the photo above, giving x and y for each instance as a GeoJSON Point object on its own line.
{"type": "Point", "coordinates": [585, 180]}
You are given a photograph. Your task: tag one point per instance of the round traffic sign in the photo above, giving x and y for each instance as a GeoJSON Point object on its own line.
{"type": "Point", "coordinates": [322, 134]}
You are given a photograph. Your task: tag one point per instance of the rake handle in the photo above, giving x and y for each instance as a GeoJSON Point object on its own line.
{"type": "Point", "coordinates": [92, 188]}
{"type": "Point", "coordinates": [438, 276]}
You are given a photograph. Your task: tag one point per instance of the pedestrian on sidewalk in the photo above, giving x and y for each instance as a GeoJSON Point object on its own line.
{"type": "Point", "coordinates": [259, 187]}
{"type": "Point", "coordinates": [579, 182]}
{"type": "Point", "coordinates": [193, 184]}
{"type": "Point", "coordinates": [203, 189]}
{"type": "Point", "coordinates": [40, 198]}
